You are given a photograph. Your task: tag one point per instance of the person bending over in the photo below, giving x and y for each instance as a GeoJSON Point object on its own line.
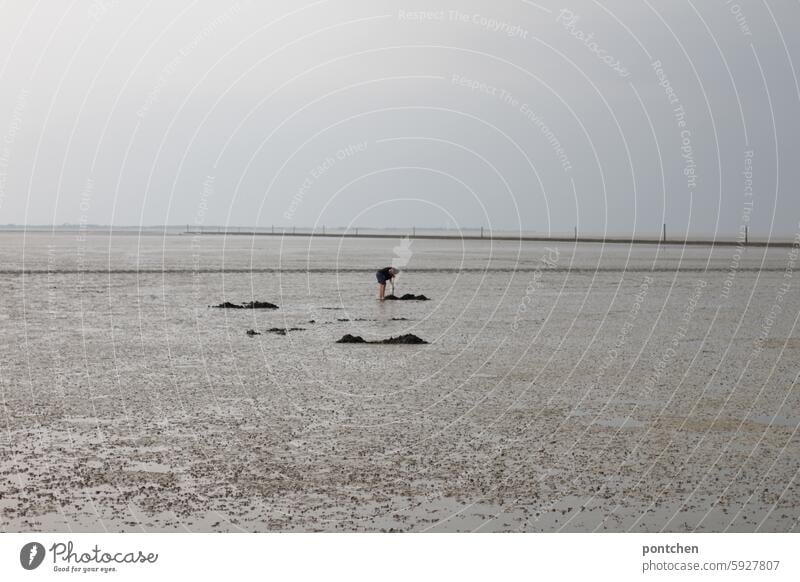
{"type": "Point", "coordinates": [387, 274]}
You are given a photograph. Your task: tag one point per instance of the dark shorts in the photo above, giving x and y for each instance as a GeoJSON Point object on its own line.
{"type": "Point", "coordinates": [381, 278]}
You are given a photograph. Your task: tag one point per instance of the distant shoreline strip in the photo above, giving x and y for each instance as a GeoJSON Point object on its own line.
{"type": "Point", "coordinates": [225, 271]}
{"type": "Point", "coordinates": [414, 234]}
{"type": "Point", "coordinates": [508, 238]}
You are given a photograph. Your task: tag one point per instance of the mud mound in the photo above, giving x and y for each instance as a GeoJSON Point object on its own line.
{"type": "Point", "coordinates": [352, 339]}
{"type": "Point", "coordinates": [284, 330]}
{"type": "Point", "coordinates": [407, 339]}
{"type": "Point", "coordinates": [406, 297]}
{"type": "Point", "coordinates": [250, 305]}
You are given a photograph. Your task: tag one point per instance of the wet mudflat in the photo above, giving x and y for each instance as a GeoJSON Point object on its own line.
{"type": "Point", "coordinates": [613, 392]}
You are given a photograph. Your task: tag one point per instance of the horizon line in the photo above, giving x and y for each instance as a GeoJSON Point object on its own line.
{"type": "Point", "coordinates": [743, 238]}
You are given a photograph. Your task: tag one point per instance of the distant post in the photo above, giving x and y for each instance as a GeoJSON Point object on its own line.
{"type": "Point", "coordinates": [664, 233]}
{"type": "Point", "coordinates": [746, 234]}
{"type": "Point", "coordinates": [481, 232]}
{"type": "Point", "coordinates": [576, 233]}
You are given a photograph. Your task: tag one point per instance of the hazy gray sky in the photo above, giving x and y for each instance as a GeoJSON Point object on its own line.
{"type": "Point", "coordinates": [614, 115]}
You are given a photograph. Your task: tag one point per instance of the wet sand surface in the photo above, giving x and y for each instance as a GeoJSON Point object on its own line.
{"type": "Point", "coordinates": [607, 388]}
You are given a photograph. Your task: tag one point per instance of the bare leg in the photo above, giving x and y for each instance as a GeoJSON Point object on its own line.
{"type": "Point", "coordinates": [381, 290]}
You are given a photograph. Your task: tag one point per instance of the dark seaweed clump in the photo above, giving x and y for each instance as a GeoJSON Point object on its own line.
{"type": "Point", "coordinates": [352, 339]}
{"type": "Point", "coordinates": [284, 330]}
{"type": "Point", "coordinates": [406, 297]}
{"type": "Point", "coordinates": [250, 305]}
{"type": "Point", "coordinates": [407, 339]}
